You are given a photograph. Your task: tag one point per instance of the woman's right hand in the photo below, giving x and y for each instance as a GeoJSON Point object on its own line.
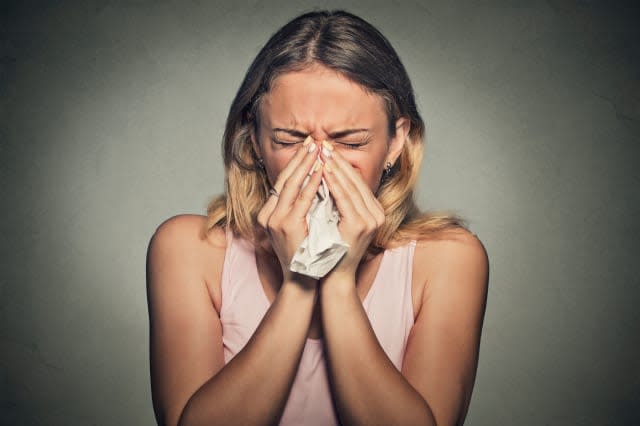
{"type": "Point", "coordinates": [284, 217]}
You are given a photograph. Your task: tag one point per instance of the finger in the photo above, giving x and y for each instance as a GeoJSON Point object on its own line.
{"type": "Point", "coordinates": [308, 193]}
{"type": "Point", "coordinates": [348, 179]}
{"type": "Point", "coordinates": [355, 181]}
{"type": "Point", "coordinates": [272, 200]}
{"type": "Point", "coordinates": [359, 221]}
{"type": "Point", "coordinates": [293, 164]}
{"type": "Point", "coordinates": [293, 185]}
{"type": "Point", "coordinates": [341, 196]}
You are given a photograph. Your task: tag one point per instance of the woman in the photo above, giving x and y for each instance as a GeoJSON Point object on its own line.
{"type": "Point", "coordinates": [391, 334]}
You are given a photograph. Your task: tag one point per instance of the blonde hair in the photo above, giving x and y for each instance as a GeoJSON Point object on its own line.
{"type": "Point", "coordinates": [353, 47]}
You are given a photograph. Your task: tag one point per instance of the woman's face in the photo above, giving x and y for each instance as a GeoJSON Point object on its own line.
{"type": "Point", "coordinates": [326, 105]}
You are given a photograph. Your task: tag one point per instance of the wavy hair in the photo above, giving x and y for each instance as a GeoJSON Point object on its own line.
{"type": "Point", "coordinates": [354, 48]}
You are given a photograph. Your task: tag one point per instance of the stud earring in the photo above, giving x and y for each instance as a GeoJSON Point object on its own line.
{"type": "Point", "coordinates": [387, 171]}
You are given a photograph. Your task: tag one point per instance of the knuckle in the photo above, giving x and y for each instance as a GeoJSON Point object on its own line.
{"type": "Point", "coordinates": [288, 185]}
{"type": "Point", "coordinates": [273, 225]}
{"type": "Point", "coordinates": [360, 228]}
{"type": "Point", "coordinates": [306, 194]}
{"type": "Point", "coordinates": [286, 228]}
{"type": "Point", "coordinates": [371, 226]}
{"type": "Point", "coordinates": [262, 218]}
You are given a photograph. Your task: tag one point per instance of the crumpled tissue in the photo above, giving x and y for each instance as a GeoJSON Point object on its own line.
{"type": "Point", "coordinates": [323, 247]}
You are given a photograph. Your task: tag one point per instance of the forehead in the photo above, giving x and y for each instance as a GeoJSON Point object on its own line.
{"type": "Point", "coordinates": [321, 97]}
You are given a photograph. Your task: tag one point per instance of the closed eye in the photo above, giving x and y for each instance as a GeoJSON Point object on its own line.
{"type": "Point", "coordinates": [283, 142]}
{"type": "Point", "coordinates": [354, 145]}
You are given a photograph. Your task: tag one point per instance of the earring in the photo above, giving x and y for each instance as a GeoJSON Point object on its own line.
{"type": "Point", "coordinates": [261, 163]}
{"type": "Point", "coordinates": [387, 171]}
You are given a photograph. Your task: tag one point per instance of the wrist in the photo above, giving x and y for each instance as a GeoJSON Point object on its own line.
{"type": "Point", "coordinates": [339, 284]}
{"type": "Point", "coordinates": [302, 282]}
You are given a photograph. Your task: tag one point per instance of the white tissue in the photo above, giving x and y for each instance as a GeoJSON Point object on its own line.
{"type": "Point", "coordinates": [323, 247]}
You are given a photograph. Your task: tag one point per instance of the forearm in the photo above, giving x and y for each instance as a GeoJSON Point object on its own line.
{"type": "Point", "coordinates": [253, 387]}
{"type": "Point", "coordinates": [366, 385]}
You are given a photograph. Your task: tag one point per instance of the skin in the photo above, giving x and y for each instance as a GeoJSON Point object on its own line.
{"type": "Point", "coordinates": [191, 383]}
{"type": "Point", "coordinates": [320, 103]}
{"type": "Point", "coordinates": [351, 124]}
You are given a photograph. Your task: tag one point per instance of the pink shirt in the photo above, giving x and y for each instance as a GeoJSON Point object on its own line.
{"type": "Point", "coordinates": [244, 303]}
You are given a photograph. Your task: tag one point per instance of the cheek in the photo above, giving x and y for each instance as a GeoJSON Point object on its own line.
{"type": "Point", "coordinates": [368, 169]}
{"type": "Point", "coordinates": [276, 162]}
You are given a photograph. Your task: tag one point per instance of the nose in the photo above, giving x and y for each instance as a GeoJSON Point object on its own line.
{"type": "Point", "coordinates": [319, 136]}
{"type": "Point", "coordinates": [316, 141]}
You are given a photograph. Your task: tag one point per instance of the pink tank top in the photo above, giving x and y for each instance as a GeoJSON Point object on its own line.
{"type": "Point", "coordinates": [244, 303]}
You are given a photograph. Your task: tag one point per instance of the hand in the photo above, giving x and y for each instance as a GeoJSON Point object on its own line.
{"type": "Point", "coordinates": [284, 216]}
{"type": "Point", "coordinates": [361, 214]}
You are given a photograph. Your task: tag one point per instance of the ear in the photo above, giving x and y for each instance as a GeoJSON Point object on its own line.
{"type": "Point", "coordinates": [396, 144]}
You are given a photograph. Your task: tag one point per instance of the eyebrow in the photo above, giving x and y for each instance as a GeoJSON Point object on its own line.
{"type": "Point", "coordinates": [333, 135]}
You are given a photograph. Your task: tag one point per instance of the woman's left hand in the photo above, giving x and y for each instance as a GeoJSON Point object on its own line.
{"type": "Point", "coordinates": [360, 212]}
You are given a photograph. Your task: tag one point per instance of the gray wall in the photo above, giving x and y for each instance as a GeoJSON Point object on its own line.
{"type": "Point", "coordinates": [111, 114]}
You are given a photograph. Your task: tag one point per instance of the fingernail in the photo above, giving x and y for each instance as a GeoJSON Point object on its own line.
{"type": "Point", "coordinates": [328, 168]}
{"type": "Point", "coordinates": [312, 148]}
{"type": "Point", "coordinates": [327, 145]}
{"type": "Point", "coordinates": [317, 167]}
{"type": "Point", "coordinates": [307, 141]}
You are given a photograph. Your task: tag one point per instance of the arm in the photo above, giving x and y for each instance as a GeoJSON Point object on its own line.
{"type": "Point", "coordinates": [441, 356]}
{"type": "Point", "coordinates": [190, 383]}
{"type": "Point", "coordinates": [440, 359]}
{"type": "Point", "coordinates": [367, 387]}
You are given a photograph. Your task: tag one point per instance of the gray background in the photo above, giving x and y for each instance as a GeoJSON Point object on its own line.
{"type": "Point", "coordinates": [111, 116]}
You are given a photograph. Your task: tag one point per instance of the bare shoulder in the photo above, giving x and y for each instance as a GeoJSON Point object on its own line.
{"type": "Point", "coordinates": [189, 230]}
{"type": "Point", "coordinates": [184, 242]}
{"type": "Point", "coordinates": [456, 254]}
{"type": "Point", "coordinates": [442, 351]}
{"type": "Point", "coordinates": [457, 242]}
